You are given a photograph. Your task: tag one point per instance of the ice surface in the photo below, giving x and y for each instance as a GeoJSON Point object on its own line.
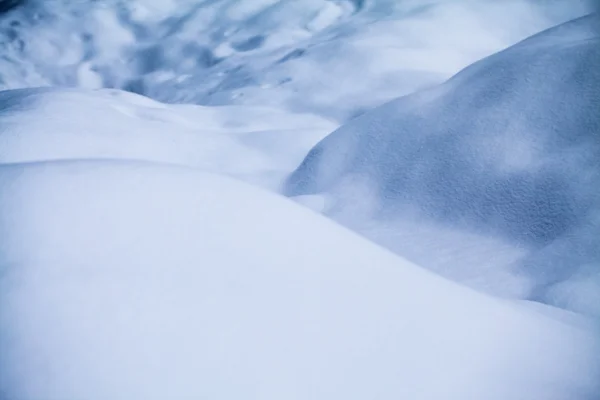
{"type": "Point", "coordinates": [501, 161]}
{"type": "Point", "coordinates": [128, 280]}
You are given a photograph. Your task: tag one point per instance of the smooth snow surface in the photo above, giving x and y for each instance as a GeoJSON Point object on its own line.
{"type": "Point", "coordinates": [496, 171]}
{"type": "Point", "coordinates": [145, 255]}
{"type": "Point", "coordinates": [336, 58]}
{"type": "Point", "coordinates": [126, 280]}
{"type": "Point", "coordinates": [257, 144]}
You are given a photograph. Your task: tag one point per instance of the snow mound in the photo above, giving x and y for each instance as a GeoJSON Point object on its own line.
{"type": "Point", "coordinates": [128, 280]}
{"type": "Point", "coordinates": [333, 57]}
{"type": "Point", "coordinates": [257, 144]}
{"type": "Point", "coordinates": [501, 161]}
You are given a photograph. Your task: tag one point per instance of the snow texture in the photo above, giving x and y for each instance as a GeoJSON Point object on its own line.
{"type": "Point", "coordinates": [335, 58]}
{"type": "Point", "coordinates": [145, 255]}
{"type": "Point", "coordinates": [257, 144]}
{"type": "Point", "coordinates": [506, 151]}
{"type": "Point", "coordinates": [129, 280]}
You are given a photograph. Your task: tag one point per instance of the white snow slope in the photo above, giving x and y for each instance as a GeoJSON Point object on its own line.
{"type": "Point", "coordinates": [135, 264]}
{"type": "Point", "coordinates": [501, 162]}
{"type": "Point", "coordinates": [125, 280]}
{"type": "Point", "coordinates": [258, 144]}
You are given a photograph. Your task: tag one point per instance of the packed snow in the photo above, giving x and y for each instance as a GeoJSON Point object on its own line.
{"type": "Point", "coordinates": [147, 250]}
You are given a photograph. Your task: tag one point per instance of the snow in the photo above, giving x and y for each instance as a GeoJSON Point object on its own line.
{"type": "Point", "coordinates": [132, 280]}
{"type": "Point", "coordinates": [147, 252]}
{"type": "Point", "coordinates": [257, 144]}
{"type": "Point", "coordinates": [503, 200]}
{"type": "Point", "coordinates": [334, 58]}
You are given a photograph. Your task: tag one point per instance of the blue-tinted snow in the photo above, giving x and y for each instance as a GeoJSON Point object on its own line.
{"type": "Point", "coordinates": [336, 58]}
{"type": "Point", "coordinates": [507, 150]}
{"type": "Point", "coordinates": [128, 280]}
{"type": "Point", "coordinates": [141, 280]}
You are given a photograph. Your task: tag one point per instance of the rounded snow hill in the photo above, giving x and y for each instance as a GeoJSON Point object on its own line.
{"type": "Point", "coordinates": [259, 144]}
{"type": "Point", "coordinates": [507, 149]}
{"type": "Point", "coordinates": [128, 280]}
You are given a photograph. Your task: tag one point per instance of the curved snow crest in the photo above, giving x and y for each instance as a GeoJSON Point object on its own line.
{"type": "Point", "coordinates": [507, 148]}
{"type": "Point", "coordinates": [332, 57]}
{"type": "Point", "coordinates": [258, 144]}
{"type": "Point", "coordinates": [109, 290]}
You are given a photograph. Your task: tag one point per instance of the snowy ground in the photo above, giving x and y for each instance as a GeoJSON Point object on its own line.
{"type": "Point", "coordinates": [509, 193]}
{"type": "Point", "coordinates": [147, 252]}
{"type": "Point", "coordinates": [335, 58]}
{"type": "Point", "coordinates": [258, 144]}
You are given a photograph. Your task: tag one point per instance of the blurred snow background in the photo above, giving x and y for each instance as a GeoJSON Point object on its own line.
{"type": "Point", "coordinates": [335, 58]}
{"type": "Point", "coordinates": [142, 258]}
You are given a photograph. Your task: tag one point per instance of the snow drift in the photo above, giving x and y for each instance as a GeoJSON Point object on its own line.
{"type": "Point", "coordinates": [129, 271]}
{"type": "Point", "coordinates": [257, 144]}
{"type": "Point", "coordinates": [128, 280]}
{"type": "Point", "coordinates": [507, 149]}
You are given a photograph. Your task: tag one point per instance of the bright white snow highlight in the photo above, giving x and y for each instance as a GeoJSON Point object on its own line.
{"type": "Point", "coordinates": [258, 144]}
{"type": "Point", "coordinates": [137, 281]}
